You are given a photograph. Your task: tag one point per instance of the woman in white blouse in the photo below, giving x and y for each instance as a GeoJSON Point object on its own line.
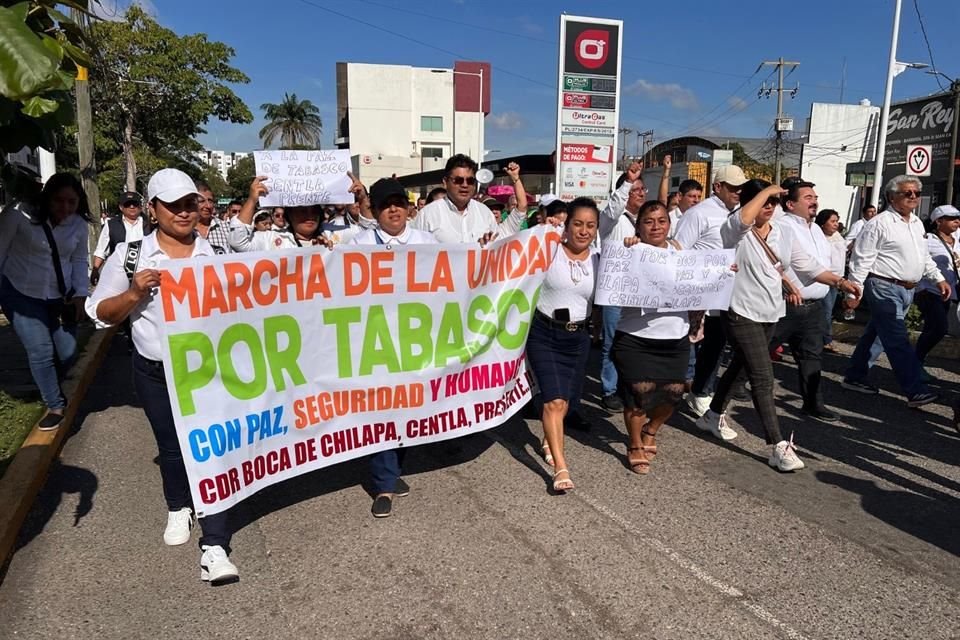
{"type": "Point", "coordinates": [765, 249]}
{"type": "Point", "coordinates": [651, 350]}
{"type": "Point", "coordinates": [829, 222]}
{"type": "Point", "coordinates": [558, 343]}
{"type": "Point", "coordinates": [44, 267]}
{"type": "Point", "coordinates": [943, 249]}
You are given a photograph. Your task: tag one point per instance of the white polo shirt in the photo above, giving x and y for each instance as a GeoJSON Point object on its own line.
{"type": "Point", "coordinates": [449, 225]}
{"type": "Point", "coordinates": [811, 239]}
{"type": "Point", "coordinates": [379, 236]}
{"type": "Point", "coordinates": [244, 237]}
{"type": "Point", "coordinates": [147, 317]}
{"type": "Point", "coordinates": [895, 248]}
{"type": "Point", "coordinates": [133, 232]}
{"type": "Point", "coordinates": [699, 227]}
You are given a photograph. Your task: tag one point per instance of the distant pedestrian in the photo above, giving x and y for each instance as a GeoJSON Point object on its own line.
{"type": "Point", "coordinates": [935, 310]}
{"type": "Point", "coordinates": [829, 222]}
{"type": "Point", "coordinates": [132, 224]}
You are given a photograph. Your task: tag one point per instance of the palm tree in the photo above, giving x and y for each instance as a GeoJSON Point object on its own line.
{"type": "Point", "coordinates": [296, 122]}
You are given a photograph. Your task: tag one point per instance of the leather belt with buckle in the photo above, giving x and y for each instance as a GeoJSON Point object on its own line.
{"type": "Point", "coordinates": [572, 327]}
{"type": "Point", "coordinates": [903, 283]}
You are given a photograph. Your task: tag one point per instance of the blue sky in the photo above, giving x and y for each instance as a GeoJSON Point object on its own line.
{"type": "Point", "coordinates": [689, 67]}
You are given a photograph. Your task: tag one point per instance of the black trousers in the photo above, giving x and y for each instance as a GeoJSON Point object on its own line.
{"type": "Point", "coordinates": [802, 329]}
{"type": "Point", "coordinates": [751, 352]}
{"type": "Point", "coordinates": [708, 355]}
{"type": "Point", "coordinates": [151, 386]}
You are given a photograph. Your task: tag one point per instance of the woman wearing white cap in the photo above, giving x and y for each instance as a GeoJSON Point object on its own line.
{"type": "Point", "coordinates": [173, 202]}
{"type": "Point", "coordinates": [389, 203]}
{"type": "Point", "coordinates": [943, 249]}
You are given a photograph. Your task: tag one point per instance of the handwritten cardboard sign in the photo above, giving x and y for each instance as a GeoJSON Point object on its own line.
{"type": "Point", "coordinates": [301, 178]}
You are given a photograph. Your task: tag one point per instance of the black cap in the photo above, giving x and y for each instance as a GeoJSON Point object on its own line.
{"type": "Point", "coordinates": [383, 189]}
{"type": "Point", "coordinates": [493, 203]}
{"type": "Point", "coordinates": [131, 196]}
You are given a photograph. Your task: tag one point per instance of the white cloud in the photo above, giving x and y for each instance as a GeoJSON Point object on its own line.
{"type": "Point", "coordinates": [506, 121]}
{"type": "Point", "coordinates": [679, 97]}
{"type": "Point", "coordinates": [738, 104]}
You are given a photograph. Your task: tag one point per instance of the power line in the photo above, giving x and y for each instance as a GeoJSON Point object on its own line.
{"type": "Point", "coordinates": [923, 30]}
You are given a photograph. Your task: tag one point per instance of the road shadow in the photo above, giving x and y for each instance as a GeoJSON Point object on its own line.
{"type": "Point", "coordinates": [64, 479]}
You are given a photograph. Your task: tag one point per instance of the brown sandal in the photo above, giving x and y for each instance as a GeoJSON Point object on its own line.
{"type": "Point", "coordinates": [649, 450]}
{"type": "Point", "coordinates": [641, 465]}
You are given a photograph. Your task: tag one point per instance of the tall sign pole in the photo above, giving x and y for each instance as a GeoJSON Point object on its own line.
{"type": "Point", "coordinates": [588, 107]}
{"type": "Point", "coordinates": [885, 111]}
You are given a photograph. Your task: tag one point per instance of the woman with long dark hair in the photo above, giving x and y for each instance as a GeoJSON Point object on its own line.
{"type": "Point", "coordinates": [44, 265]}
{"type": "Point", "coordinates": [765, 249]}
{"type": "Point", "coordinates": [559, 343]}
{"type": "Point", "coordinates": [829, 222]}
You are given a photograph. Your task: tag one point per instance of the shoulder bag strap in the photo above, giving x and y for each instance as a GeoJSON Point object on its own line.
{"type": "Point", "coordinates": [950, 252]}
{"type": "Point", "coordinates": [132, 259]}
{"type": "Point", "coordinates": [766, 248]}
{"type": "Point", "coordinates": [55, 253]}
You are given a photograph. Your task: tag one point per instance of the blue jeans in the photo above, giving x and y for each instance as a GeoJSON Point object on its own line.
{"type": "Point", "coordinates": [828, 304]}
{"type": "Point", "coordinates": [385, 470]}
{"type": "Point", "coordinates": [51, 347]}
{"type": "Point", "coordinates": [935, 321]}
{"type": "Point", "coordinates": [888, 304]}
{"type": "Point", "coordinates": [608, 372]}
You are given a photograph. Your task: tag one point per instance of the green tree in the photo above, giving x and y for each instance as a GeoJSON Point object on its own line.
{"type": "Point", "coordinates": [218, 185]}
{"type": "Point", "coordinates": [154, 90]}
{"type": "Point", "coordinates": [752, 167]}
{"type": "Point", "coordinates": [41, 53]}
{"type": "Point", "coordinates": [296, 122]}
{"type": "Point", "coordinates": [239, 177]}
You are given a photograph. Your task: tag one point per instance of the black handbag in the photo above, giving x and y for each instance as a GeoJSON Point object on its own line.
{"type": "Point", "coordinates": [65, 311]}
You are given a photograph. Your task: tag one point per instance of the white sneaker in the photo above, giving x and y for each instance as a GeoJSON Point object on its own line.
{"type": "Point", "coordinates": [784, 456]}
{"type": "Point", "coordinates": [178, 527]}
{"type": "Point", "coordinates": [215, 566]}
{"type": "Point", "coordinates": [716, 423]}
{"type": "Point", "coordinates": [699, 405]}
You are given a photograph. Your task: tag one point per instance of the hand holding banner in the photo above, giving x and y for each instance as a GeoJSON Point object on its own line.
{"type": "Point", "coordinates": [300, 178]}
{"type": "Point", "coordinates": [664, 279]}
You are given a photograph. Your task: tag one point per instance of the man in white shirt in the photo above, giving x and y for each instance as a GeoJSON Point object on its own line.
{"type": "Point", "coordinates": [889, 258]}
{"type": "Point", "coordinates": [127, 227]}
{"type": "Point", "coordinates": [458, 217]}
{"type": "Point", "coordinates": [699, 228]}
{"type": "Point", "coordinates": [802, 326]}
{"type": "Point", "coordinates": [690, 193]}
{"type": "Point", "coordinates": [867, 214]}
{"type": "Point", "coordinates": [618, 220]}
{"type": "Point", "coordinates": [211, 228]}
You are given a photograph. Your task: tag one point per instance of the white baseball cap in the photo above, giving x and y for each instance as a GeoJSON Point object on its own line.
{"type": "Point", "coordinates": [169, 185]}
{"type": "Point", "coordinates": [547, 198]}
{"type": "Point", "coordinates": [731, 174]}
{"type": "Point", "coordinates": [944, 211]}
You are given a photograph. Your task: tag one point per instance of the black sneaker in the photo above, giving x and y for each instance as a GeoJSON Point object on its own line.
{"type": "Point", "coordinates": [401, 489]}
{"type": "Point", "coordinates": [820, 413]}
{"type": "Point", "coordinates": [860, 387]}
{"type": "Point", "coordinates": [382, 506]}
{"type": "Point", "coordinates": [575, 421]}
{"type": "Point", "coordinates": [612, 403]}
{"type": "Point", "coordinates": [50, 421]}
{"type": "Point", "coordinates": [921, 399]}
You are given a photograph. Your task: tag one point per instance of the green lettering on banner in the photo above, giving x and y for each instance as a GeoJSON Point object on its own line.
{"type": "Point", "coordinates": [485, 329]}
{"type": "Point", "coordinates": [247, 335]}
{"type": "Point", "coordinates": [285, 360]}
{"type": "Point", "coordinates": [416, 325]}
{"type": "Point", "coordinates": [516, 299]}
{"type": "Point", "coordinates": [378, 347]}
{"type": "Point", "coordinates": [450, 336]}
{"type": "Point", "coordinates": [185, 380]}
{"type": "Point", "coordinates": [342, 318]}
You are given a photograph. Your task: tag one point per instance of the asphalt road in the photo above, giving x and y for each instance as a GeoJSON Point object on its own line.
{"type": "Point", "coordinates": [712, 544]}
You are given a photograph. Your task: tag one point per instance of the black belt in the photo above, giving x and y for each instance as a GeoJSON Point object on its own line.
{"type": "Point", "coordinates": [560, 324]}
{"type": "Point", "coordinates": [903, 283]}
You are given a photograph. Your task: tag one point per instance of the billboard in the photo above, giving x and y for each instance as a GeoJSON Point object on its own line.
{"type": "Point", "coordinates": [927, 122]}
{"type": "Point", "coordinates": [588, 103]}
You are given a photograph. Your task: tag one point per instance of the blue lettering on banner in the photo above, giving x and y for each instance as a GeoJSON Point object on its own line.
{"type": "Point", "coordinates": [219, 439]}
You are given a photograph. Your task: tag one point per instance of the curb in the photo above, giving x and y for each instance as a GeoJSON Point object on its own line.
{"type": "Point", "coordinates": [28, 470]}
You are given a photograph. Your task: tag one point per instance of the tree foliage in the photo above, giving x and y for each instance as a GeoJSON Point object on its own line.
{"type": "Point", "coordinates": [154, 90]}
{"type": "Point", "coordinates": [296, 122]}
{"type": "Point", "coordinates": [41, 52]}
{"type": "Point", "coordinates": [752, 167]}
{"type": "Point", "coordinates": [239, 177]}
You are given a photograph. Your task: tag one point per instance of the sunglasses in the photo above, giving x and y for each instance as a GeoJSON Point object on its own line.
{"type": "Point", "coordinates": [909, 194]}
{"type": "Point", "coordinates": [734, 189]}
{"type": "Point", "coordinates": [130, 205]}
{"type": "Point", "coordinates": [462, 180]}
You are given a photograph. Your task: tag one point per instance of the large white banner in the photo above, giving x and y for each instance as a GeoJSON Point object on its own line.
{"type": "Point", "coordinates": [663, 279]}
{"type": "Point", "coordinates": [588, 106]}
{"type": "Point", "coordinates": [280, 363]}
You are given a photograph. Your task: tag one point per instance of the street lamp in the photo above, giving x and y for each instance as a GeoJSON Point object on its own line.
{"type": "Point", "coordinates": [480, 124]}
{"type": "Point", "coordinates": [955, 87]}
{"type": "Point", "coordinates": [894, 69]}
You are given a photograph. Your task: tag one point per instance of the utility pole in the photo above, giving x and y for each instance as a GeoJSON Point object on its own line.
{"type": "Point", "coordinates": [85, 149]}
{"type": "Point", "coordinates": [955, 86]}
{"type": "Point", "coordinates": [781, 124]}
{"type": "Point", "coordinates": [623, 148]}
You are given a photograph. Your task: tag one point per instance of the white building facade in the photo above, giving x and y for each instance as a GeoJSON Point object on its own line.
{"type": "Point", "coordinates": [401, 120]}
{"type": "Point", "coordinates": [220, 160]}
{"type": "Point", "coordinates": [839, 134]}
